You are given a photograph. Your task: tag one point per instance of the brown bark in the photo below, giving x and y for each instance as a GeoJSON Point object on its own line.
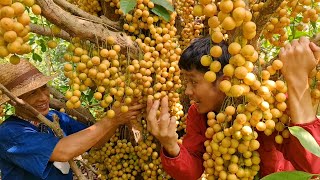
{"type": "Point", "coordinates": [83, 28]}
{"type": "Point", "coordinates": [45, 31]}
{"type": "Point", "coordinates": [73, 9]}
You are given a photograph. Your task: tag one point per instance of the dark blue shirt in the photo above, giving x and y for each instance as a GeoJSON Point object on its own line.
{"type": "Point", "coordinates": [25, 149]}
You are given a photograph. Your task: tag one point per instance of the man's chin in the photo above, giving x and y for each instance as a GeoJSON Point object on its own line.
{"type": "Point", "coordinates": [44, 112]}
{"type": "Point", "coordinates": [201, 109]}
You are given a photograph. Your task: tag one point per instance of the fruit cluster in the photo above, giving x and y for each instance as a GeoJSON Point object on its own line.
{"type": "Point", "coordinates": [91, 6]}
{"type": "Point", "coordinates": [192, 25]}
{"type": "Point", "coordinates": [14, 28]}
{"type": "Point", "coordinates": [256, 97]}
{"type": "Point", "coordinates": [117, 79]}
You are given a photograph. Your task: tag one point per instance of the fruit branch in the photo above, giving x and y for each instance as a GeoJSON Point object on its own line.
{"type": "Point", "coordinates": [45, 31]}
{"type": "Point", "coordinates": [53, 125]}
{"type": "Point", "coordinates": [268, 9]}
{"type": "Point", "coordinates": [88, 166]}
{"type": "Point", "coordinates": [83, 28]}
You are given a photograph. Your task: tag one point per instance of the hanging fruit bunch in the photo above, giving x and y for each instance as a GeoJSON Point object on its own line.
{"type": "Point", "coordinates": [118, 78]}
{"type": "Point", "coordinates": [14, 28]}
{"type": "Point", "coordinates": [93, 6]}
{"type": "Point", "coordinates": [191, 23]}
{"type": "Point", "coordinates": [256, 92]}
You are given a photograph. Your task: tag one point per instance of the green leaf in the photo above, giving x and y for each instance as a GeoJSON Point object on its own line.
{"type": "Point", "coordinates": [289, 175]}
{"type": "Point", "coordinates": [127, 5]}
{"type": "Point", "coordinates": [306, 139]}
{"type": "Point", "coordinates": [43, 47]}
{"type": "Point", "coordinates": [164, 3]}
{"type": "Point", "coordinates": [36, 57]}
{"type": "Point", "coordinates": [161, 12]}
{"type": "Point", "coordinates": [90, 96]}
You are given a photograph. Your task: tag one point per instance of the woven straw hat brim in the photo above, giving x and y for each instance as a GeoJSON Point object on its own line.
{"type": "Point", "coordinates": [28, 85]}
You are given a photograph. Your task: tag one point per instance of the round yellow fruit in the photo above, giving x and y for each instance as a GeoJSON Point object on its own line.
{"type": "Point", "coordinates": [210, 76]}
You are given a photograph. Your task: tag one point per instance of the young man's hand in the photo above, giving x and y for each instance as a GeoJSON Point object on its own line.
{"type": "Point", "coordinates": [164, 128]}
{"type": "Point", "coordinates": [298, 59]}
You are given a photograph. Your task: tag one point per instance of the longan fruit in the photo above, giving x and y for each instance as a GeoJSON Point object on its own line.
{"type": "Point", "coordinates": [36, 9]}
{"type": "Point", "coordinates": [210, 76]}
{"type": "Point", "coordinates": [206, 60]}
{"type": "Point", "coordinates": [198, 10]}
{"type": "Point", "coordinates": [226, 6]}
{"type": "Point", "coordinates": [18, 8]}
{"type": "Point", "coordinates": [14, 60]}
{"type": "Point", "coordinates": [210, 10]}
{"type": "Point", "coordinates": [216, 51]}
{"type": "Point", "coordinates": [213, 22]}
{"type": "Point", "coordinates": [234, 48]}
{"type": "Point", "coordinates": [228, 23]}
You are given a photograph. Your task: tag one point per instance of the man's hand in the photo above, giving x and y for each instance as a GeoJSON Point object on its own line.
{"type": "Point", "coordinates": [164, 128]}
{"type": "Point", "coordinates": [125, 117]}
{"type": "Point", "coordinates": [298, 59]}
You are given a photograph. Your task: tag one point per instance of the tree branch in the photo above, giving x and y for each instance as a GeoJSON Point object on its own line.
{"type": "Point", "coordinates": [85, 29]}
{"type": "Point", "coordinates": [53, 125]}
{"type": "Point", "coordinates": [73, 9]}
{"type": "Point", "coordinates": [45, 31]}
{"type": "Point", "coordinates": [88, 166]}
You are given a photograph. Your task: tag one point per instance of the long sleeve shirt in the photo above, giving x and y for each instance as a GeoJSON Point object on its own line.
{"type": "Point", "coordinates": [290, 155]}
{"type": "Point", "coordinates": [25, 149]}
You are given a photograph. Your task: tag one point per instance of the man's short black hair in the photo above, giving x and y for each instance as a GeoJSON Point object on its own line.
{"type": "Point", "coordinates": [191, 57]}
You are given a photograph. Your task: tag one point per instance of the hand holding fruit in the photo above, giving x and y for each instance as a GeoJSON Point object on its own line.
{"type": "Point", "coordinates": [118, 116]}
{"type": "Point", "coordinates": [164, 127]}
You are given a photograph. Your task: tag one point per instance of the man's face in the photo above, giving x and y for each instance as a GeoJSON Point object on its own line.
{"type": "Point", "coordinates": [38, 99]}
{"type": "Point", "coordinates": [206, 95]}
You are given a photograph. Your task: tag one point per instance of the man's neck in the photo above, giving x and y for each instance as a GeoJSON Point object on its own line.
{"type": "Point", "coordinates": [25, 116]}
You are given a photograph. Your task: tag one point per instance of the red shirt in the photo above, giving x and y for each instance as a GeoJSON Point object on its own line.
{"type": "Point", "coordinates": [188, 165]}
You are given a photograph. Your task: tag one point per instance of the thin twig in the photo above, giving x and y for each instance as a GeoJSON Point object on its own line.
{"type": "Point", "coordinates": [88, 166]}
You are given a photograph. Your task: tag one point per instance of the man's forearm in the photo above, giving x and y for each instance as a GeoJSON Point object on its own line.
{"type": "Point", "coordinates": [106, 137]}
{"type": "Point", "coordinates": [300, 103]}
{"type": "Point", "coordinates": [77, 143]}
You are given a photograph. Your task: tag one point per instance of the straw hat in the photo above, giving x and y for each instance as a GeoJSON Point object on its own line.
{"type": "Point", "coordinates": [21, 78]}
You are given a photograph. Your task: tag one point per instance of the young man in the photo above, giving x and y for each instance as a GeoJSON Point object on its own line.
{"type": "Point", "coordinates": [29, 150]}
{"type": "Point", "coordinates": [184, 162]}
